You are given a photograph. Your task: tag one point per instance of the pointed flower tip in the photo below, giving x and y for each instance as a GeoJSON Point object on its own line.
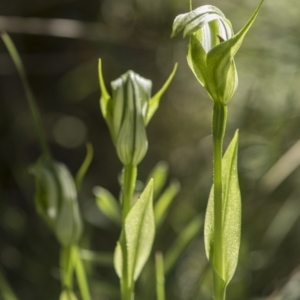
{"type": "Point", "coordinates": [100, 64]}
{"type": "Point", "coordinates": [236, 134]}
{"type": "Point", "coordinates": [151, 182]}
{"type": "Point", "coordinates": [175, 68]}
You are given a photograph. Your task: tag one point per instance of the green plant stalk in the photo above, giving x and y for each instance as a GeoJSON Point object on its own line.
{"type": "Point", "coordinates": [126, 287]}
{"type": "Point", "coordinates": [129, 179]}
{"type": "Point", "coordinates": [70, 263]}
{"type": "Point", "coordinates": [67, 265]}
{"type": "Point", "coordinates": [218, 131]}
{"type": "Point", "coordinates": [81, 276]}
{"type": "Point", "coordinates": [160, 278]}
{"type": "Point", "coordinates": [30, 97]}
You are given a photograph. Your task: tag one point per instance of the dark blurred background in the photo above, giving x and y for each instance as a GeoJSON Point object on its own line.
{"type": "Point", "coordinates": [60, 43]}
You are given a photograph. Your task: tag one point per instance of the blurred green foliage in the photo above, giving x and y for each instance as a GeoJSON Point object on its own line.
{"type": "Point", "coordinates": [61, 60]}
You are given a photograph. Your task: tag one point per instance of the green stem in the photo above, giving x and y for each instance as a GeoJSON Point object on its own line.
{"type": "Point", "coordinates": [126, 290]}
{"type": "Point", "coordinates": [81, 276]}
{"type": "Point", "coordinates": [128, 189]}
{"type": "Point", "coordinates": [67, 266]}
{"type": "Point", "coordinates": [31, 100]}
{"type": "Point", "coordinates": [219, 288]}
{"type": "Point", "coordinates": [218, 131]}
{"type": "Point", "coordinates": [160, 278]}
{"type": "Point", "coordinates": [129, 178]}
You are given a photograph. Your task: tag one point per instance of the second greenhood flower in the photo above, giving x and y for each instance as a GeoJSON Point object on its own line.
{"type": "Point", "coordinates": [128, 111]}
{"type": "Point", "coordinates": [212, 48]}
{"type": "Point", "coordinates": [56, 200]}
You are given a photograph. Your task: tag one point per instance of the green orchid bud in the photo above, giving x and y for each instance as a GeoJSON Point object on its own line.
{"type": "Point", "coordinates": [212, 48]}
{"type": "Point", "coordinates": [128, 112]}
{"type": "Point", "coordinates": [56, 200]}
{"type": "Point", "coordinates": [131, 95]}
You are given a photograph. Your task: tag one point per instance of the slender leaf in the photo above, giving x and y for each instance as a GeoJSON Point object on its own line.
{"type": "Point", "coordinates": [28, 92]}
{"type": "Point", "coordinates": [85, 165]}
{"type": "Point", "coordinates": [81, 276]}
{"type": "Point", "coordinates": [159, 174]}
{"type": "Point", "coordinates": [231, 214]}
{"type": "Point", "coordinates": [165, 200]}
{"type": "Point", "coordinates": [108, 204]}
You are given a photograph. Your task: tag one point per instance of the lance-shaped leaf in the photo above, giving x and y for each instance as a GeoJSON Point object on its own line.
{"type": "Point", "coordinates": [159, 174]}
{"type": "Point", "coordinates": [140, 232]}
{"type": "Point", "coordinates": [164, 202]}
{"type": "Point", "coordinates": [231, 215]}
{"type": "Point", "coordinates": [108, 204]}
{"type": "Point", "coordinates": [139, 235]}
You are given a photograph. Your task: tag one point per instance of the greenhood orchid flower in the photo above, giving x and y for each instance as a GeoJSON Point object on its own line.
{"type": "Point", "coordinates": [212, 48]}
{"type": "Point", "coordinates": [211, 52]}
{"type": "Point", "coordinates": [56, 200]}
{"type": "Point", "coordinates": [128, 111]}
